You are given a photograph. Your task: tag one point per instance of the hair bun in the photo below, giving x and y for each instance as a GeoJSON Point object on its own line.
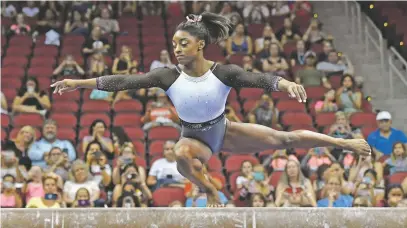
{"type": "Point", "coordinates": [194, 18]}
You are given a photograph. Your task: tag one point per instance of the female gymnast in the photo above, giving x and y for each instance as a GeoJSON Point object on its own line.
{"type": "Point", "coordinates": [198, 89]}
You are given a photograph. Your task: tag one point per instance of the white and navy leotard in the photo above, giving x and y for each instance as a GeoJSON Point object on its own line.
{"type": "Point", "coordinates": [199, 101]}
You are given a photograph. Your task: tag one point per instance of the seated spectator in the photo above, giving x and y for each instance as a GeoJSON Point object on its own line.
{"type": "Point", "coordinates": [316, 157]}
{"type": "Point", "coordinates": [69, 67]}
{"type": "Point", "coordinates": [8, 9]}
{"type": "Point", "coordinates": [9, 165]}
{"type": "Point", "coordinates": [383, 139]}
{"type": "Point", "coordinates": [39, 150]}
{"type": "Point", "coordinates": [250, 65]}
{"type": "Point", "coordinates": [77, 24]}
{"type": "Point", "coordinates": [394, 194]}
{"type": "Point", "coordinates": [333, 196]}
{"type": "Point", "coordinates": [328, 104]}
{"type": "Point", "coordinates": [309, 75]}
{"type": "Point", "coordinates": [58, 163]}
{"type": "Point", "coordinates": [30, 99]}
{"type": "Point", "coordinates": [258, 200]}
{"type": "Point", "coordinates": [320, 179]}
{"type": "Point", "coordinates": [34, 186]}
{"type": "Point", "coordinates": [264, 112]}
{"type": "Point", "coordinates": [231, 114]}
{"type": "Point", "coordinates": [239, 43]}
{"type": "Point", "coordinates": [334, 65]}
{"type": "Point", "coordinates": [342, 129]}
{"type": "Point", "coordinates": [96, 133]}
{"type": "Point", "coordinates": [95, 43]}
{"type": "Point", "coordinates": [297, 56]}
{"type": "Point", "coordinates": [300, 8]}
{"type": "Point", "coordinates": [106, 23]}
{"type": "Point", "coordinates": [361, 201]}
{"type": "Point", "coordinates": [294, 189]}
{"type": "Point", "coordinates": [314, 34]}
{"type": "Point", "coordinates": [276, 62]}
{"type": "Point", "coordinates": [268, 34]}
{"type": "Point", "coordinates": [164, 171]}
{"type": "Point", "coordinates": [133, 93]}
{"type": "Point", "coordinates": [256, 13]}
{"type": "Point", "coordinates": [127, 8]}
{"type": "Point", "coordinates": [151, 8]}
{"type": "Point", "coordinates": [337, 169]}
{"type": "Point", "coordinates": [97, 163]}
{"type": "Point", "coordinates": [20, 145]}
{"type": "Point", "coordinates": [228, 12]}
{"type": "Point", "coordinates": [9, 197]}
{"type": "Point", "coordinates": [288, 33]}
{"type": "Point", "coordinates": [127, 156]}
{"type": "Point", "coordinates": [368, 187]}
{"type": "Point", "coordinates": [160, 113]}
{"type": "Point", "coordinates": [348, 98]}
{"type": "Point", "coordinates": [82, 199]}
{"type": "Point", "coordinates": [130, 176]}
{"type": "Point", "coordinates": [164, 61]}
{"type": "Point", "coordinates": [80, 178]}
{"type": "Point", "coordinates": [97, 65]}
{"type": "Point", "coordinates": [176, 203]}
{"type": "Point", "coordinates": [97, 7]}
{"type": "Point", "coordinates": [197, 197]}
{"type": "Point", "coordinates": [278, 160]}
{"type": "Point", "coordinates": [20, 27]}
{"type": "Point", "coordinates": [246, 170]}
{"type": "Point", "coordinates": [4, 105]}
{"type": "Point", "coordinates": [258, 184]}
{"type": "Point", "coordinates": [49, 21]}
{"type": "Point", "coordinates": [326, 49]}
{"type": "Point", "coordinates": [397, 162]}
{"type": "Point", "coordinates": [51, 197]}
{"type": "Point", "coordinates": [359, 167]}
{"type": "Point", "coordinates": [132, 195]}
{"type": "Point", "coordinates": [30, 10]}
{"type": "Point", "coordinates": [123, 63]}
{"type": "Point", "coordinates": [280, 8]}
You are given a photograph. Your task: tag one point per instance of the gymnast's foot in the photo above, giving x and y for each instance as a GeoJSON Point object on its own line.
{"type": "Point", "coordinates": [358, 146]}
{"type": "Point", "coordinates": [213, 199]}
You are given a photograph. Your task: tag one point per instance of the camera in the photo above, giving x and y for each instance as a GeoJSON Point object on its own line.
{"type": "Point", "coordinates": [83, 203]}
{"type": "Point", "coordinates": [51, 196]}
{"type": "Point", "coordinates": [131, 176]}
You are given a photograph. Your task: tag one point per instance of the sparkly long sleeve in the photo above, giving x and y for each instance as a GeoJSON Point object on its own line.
{"type": "Point", "coordinates": [236, 77]}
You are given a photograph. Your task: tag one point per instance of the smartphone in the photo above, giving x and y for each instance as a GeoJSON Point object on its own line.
{"type": "Point", "coordinates": [131, 176]}
{"type": "Point", "coordinates": [319, 150]}
{"type": "Point", "coordinates": [97, 154]}
{"type": "Point", "coordinates": [367, 180]}
{"type": "Point", "coordinates": [127, 161]}
{"type": "Point", "coordinates": [293, 190]}
{"type": "Point", "coordinates": [65, 150]}
{"type": "Point", "coordinates": [51, 196]}
{"type": "Point", "coordinates": [8, 185]}
{"type": "Point", "coordinates": [169, 176]}
{"type": "Point", "coordinates": [83, 203]}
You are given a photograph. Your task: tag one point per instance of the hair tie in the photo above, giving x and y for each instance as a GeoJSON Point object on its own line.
{"type": "Point", "coordinates": [194, 18]}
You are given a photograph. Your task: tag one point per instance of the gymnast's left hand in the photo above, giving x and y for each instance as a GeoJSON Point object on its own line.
{"type": "Point", "coordinates": [297, 91]}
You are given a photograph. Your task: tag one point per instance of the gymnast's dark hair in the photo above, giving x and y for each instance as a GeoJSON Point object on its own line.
{"type": "Point", "coordinates": [210, 27]}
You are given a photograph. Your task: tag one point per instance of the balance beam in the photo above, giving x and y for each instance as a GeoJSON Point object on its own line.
{"type": "Point", "coordinates": [205, 217]}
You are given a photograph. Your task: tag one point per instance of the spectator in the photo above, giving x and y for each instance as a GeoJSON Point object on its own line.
{"type": "Point", "coordinates": [82, 198]}
{"type": "Point", "coordinates": [160, 113]}
{"type": "Point", "coordinates": [333, 196]}
{"type": "Point", "coordinates": [164, 61]}
{"type": "Point", "coordinates": [288, 33]}
{"type": "Point", "coordinates": [69, 67]}
{"type": "Point", "coordinates": [133, 93]}
{"type": "Point", "coordinates": [342, 129]}
{"type": "Point", "coordinates": [394, 194]}
{"type": "Point", "coordinates": [275, 62]}
{"type": "Point", "coordinates": [51, 197]}
{"type": "Point", "coordinates": [321, 176]}
{"type": "Point", "coordinates": [359, 167]}
{"type": "Point", "coordinates": [264, 112]}
{"type": "Point", "coordinates": [8, 9]}
{"type": "Point", "coordinates": [280, 8]}
{"type": "Point", "coordinates": [96, 133]}
{"type": "Point", "coordinates": [9, 165]}
{"type": "Point", "coordinates": [337, 169]}
{"type": "Point", "coordinates": [256, 13]}
{"type": "Point", "coordinates": [107, 24]}
{"type": "Point", "coordinates": [95, 43]}
{"type": "Point", "coordinates": [127, 8]}
{"type": "Point", "coordinates": [20, 145]}
{"type": "Point", "coordinates": [176, 203]}
{"type": "Point", "coordinates": [20, 27]}
{"type": "Point", "coordinates": [259, 183]}
{"type": "Point", "coordinates": [9, 197]}
{"type": "Point", "coordinates": [80, 178]}
{"type": "Point", "coordinates": [131, 196]}
{"type": "Point", "coordinates": [97, 163]}
{"type": "Point", "coordinates": [4, 105]}
{"type": "Point", "coordinates": [97, 8]}
{"type": "Point", "coordinates": [315, 158]}
{"type": "Point", "coordinates": [300, 8]}
{"type": "Point", "coordinates": [231, 114]}
{"type": "Point", "coordinates": [348, 98]}
{"type": "Point", "coordinates": [250, 65]}
{"type": "Point", "coordinates": [258, 200]}
{"type": "Point", "coordinates": [314, 34]}
{"type": "Point", "coordinates": [77, 24]}
{"type": "Point", "coordinates": [58, 163]}
{"type": "Point", "coordinates": [294, 189]}
{"type": "Point", "coordinates": [151, 8]}
{"type": "Point", "coordinates": [48, 22]}
{"type": "Point", "coordinates": [309, 75]}
{"type": "Point", "coordinates": [278, 160]}
{"type": "Point", "coordinates": [228, 12]}
{"type": "Point", "coordinates": [34, 186]}
{"type": "Point", "coordinates": [328, 104]}
{"type": "Point", "coordinates": [97, 65]}
{"type": "Point", "coordinates": [397, 162]}
{"type": "Point", "coordinates": [368, 187]}
{"type": "Point", "coordinates": [297, 56]}
{"type": "Point", "coordinates": [127, 157]}
{"type": "Point", "coordinates": [361, 201]}
{"type": "Point", "coordinates": [334, 65]}
{"type": "Point", "coordinates": [326, 49]}
{"type": "Point", "coordinates": [239, 43]}
{"type": "Point", "coordinates": [30, 99]}
{"type": "Point", "coordinates": [197, 198]}
{"type": "Point", "coordinates": [124, 62]}
{"type": "Point", "coordinates": [268, 34]}
{"type": "Point", "coordinates": [31, 10]}
{"type": "Point", "coordinates": [164, 171]}
{"type": "Point", "coordinates": [38, 151]}
{"type": "Point", "coordinates": [383, 139]}
{"type": "Point", "coordinates": [246, 170]}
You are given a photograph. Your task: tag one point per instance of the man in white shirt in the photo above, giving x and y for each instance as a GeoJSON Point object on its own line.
{"type": "Point", "coordinates": [164, 170]}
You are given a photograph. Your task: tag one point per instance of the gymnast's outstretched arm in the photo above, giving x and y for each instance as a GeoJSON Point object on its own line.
{"type": "Point", "coordinates": [160, 77]}
{"type": "Point", "coordinates": [234, 76]}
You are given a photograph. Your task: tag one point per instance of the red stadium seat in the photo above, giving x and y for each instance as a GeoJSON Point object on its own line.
{"type": "Point", "coordinates": [3, 135]}
{"type": "Point", "coordinates": [9, 93]}
{"type": "Point", "coordinates": [279, 95]}
{"type": "Point", "coordinates": [66, 133]}
{"type": "Point", "coordinates": [40, 71]}
{"type": "Point", "coordinates": [325, 119]}
{"type": "Point", "coordinates": [15, 61]}
{"type": "Point", "coordinates": [275, 178]}
{"type": "Point", "coordinates": [23, 119]}
{"type": "Point", "coordinates": [236, 59]}
{"type": "Point", "coordinates": [249, 105]}
{"type": "Point", "coordinates": [233, 162]}
{"type": "Point", "coordinates": [335, 81]}
{"type": "Point", "coordinates": [141, 162]}
{"type": "Point", "coordinates": [163, 133]}
{"type": "Point", "coordinates": [232, 95]}
{"type": "Point", "coordinates": [128, 106]}
{"type": "Point", "coordinates": [43, 61]}
{"type": "Point", "coordinates": [220, 177]}
{"type": "Point", "coordinates": [366, 130]}
{"type": "Point", "coordinates": [366, 106]}
{"type": "Point", "coordinates": [127, 120]}
{"type": "Point", "coordinates": [300, 152]}
{"type": "Point", "coordinates": [88, 118]}
{"type": "Point", "coordinates": [359, 119]}
{"type": "Point", "coordinates": [134, 133]}
{"type": "Point", "coordinates": [251, 93]}
{"type": "Point", "coordinates": [5, 121]}
{"type": "Point", "coordinates": [290, 105]}
{"type": "Point", "coordinates": [139, 146]}
{"type": "Point", "coordinates": [65, 119]}
{"type": "Point", "coordinates": [214, 164]}
{"type": "Point", "coordinates": [232, 180]}
{"type": "Point", "coordinates": [265, 153]}
{"type": "Point", "coordinates": [48, 50]}
{"type": "Point", "coordinates": [65, 106]}
{"type": "Point", "coordinates": [315, 92]}
{"type": "Point", "coordinates": [235, 105]}
{"type": "Point", "coordinates": [96, 106]}
{"type": "Point", "coordinates": [71, 96]}
{"type": "Point", "coordinates": [10, 83]}
{"type": "Point", "coordinates": [161, 196]}
{"type": "Point", "coordinates": [70, 39]}
{"type": "Point", "coordinates": [397, 178]}
{"type": "Point", "coordinates": [155, 148]}
{"type": "Point", "coordinates": [213, 49]}
{"type": "Point", "coordinates": [296, 118]}
{"type": "Point", "coordinates": [12, 71]}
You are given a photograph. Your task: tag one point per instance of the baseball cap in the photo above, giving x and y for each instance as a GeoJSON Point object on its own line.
{"type": "Point", "coordinates": [310, 54]}
{"type": "Point", "coordinates": [383, 115]}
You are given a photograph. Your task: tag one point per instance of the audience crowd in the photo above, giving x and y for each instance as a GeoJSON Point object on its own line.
{"type": "Point", "coordinates": [102, 149]}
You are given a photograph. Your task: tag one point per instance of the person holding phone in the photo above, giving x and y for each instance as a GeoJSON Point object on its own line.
{"type": "Point", "coordinates": [9, 197]}
{"type": "Point", "coordinates": [265, 113]}
{"type": "Point", "coordinates": [68, 67]}
{"type": "Point", "coordinates": [10, 165]}
{"type": "Point", "coordinates": [333, 196]}
{"type": "Point", "coordinates": [97, 163]}
{"type": "Point", "coordinates": [258, 184]}
{"type": "Point", "coordinates": [96, 133]}
{"type": "Point", "coordinates": [82, 198]}
{"type": "Point", "coordinates": [58, 162]}
{"type": "Point", "coordinates": [316, 157]}
{"type": "Point", "coordinates": [51, 198]}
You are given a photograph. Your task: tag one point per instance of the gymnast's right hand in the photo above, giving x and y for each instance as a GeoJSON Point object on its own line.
{"type": "Point", "coordinates": [66, 85]}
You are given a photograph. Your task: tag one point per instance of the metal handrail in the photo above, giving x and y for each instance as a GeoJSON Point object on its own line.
{"type": "Point", "coordinates": [379, 45]}
{"type": "Point", "coordinates": [393, 68]}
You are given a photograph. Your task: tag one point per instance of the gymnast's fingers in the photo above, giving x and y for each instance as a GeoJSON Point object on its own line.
{"type": "Point", "coordinates": [291, 92]}
{"type": "Point", "coordinates": [303, 93]}
{"type": "Point", "coordinates": [297, 93]}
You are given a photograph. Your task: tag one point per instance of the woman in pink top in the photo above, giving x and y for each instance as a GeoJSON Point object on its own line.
{"type": "Point", "coordinates": [9, 197]}
{"type": "Point", "coordinates": [20, 27]}
{"type": "Point", "coordinates": [34, 188]}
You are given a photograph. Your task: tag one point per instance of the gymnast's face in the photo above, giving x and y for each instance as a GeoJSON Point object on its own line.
{"type": "Point", "coordinates": [186, 47]}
